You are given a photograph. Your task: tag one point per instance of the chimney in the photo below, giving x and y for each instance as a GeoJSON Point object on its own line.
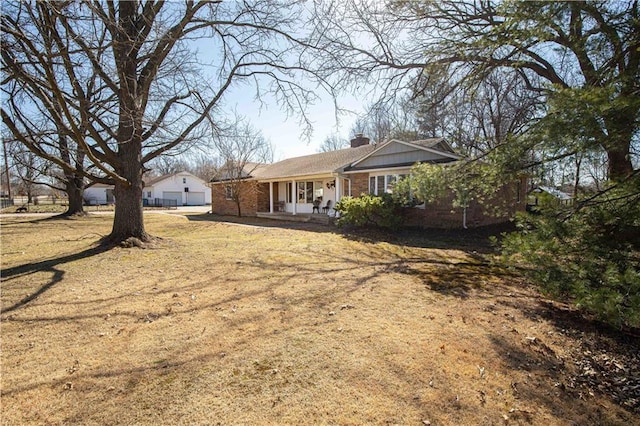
{"type": "Point", "coordinates": [359, 140]}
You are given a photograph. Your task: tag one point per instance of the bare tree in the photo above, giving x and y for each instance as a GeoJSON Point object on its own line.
{"type": "Point", "coordinates": [333, 142]}
{"type": "Point", "coordinates": [243, 150]}
{"type": "Point", "coordinates": [375, 123]}
{"type": "Point", "coordinates": [46, 137]}
{"type": "Point", "coordinates": [586, 52]}
{"type": "Point", "coordinates": [123, 80]}
{"type": "Point", "coordinates": [388, 120]}
{"type": "Point", "coordinates": [30, 170]}
{"type": "Point", "coordinates": [167, 164]}
{"type": "Point", "coordinates": [205, 165]}
{"type": "Point", "coordinates": [478, 117]}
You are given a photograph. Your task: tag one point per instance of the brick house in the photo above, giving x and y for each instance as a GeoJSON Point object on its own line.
{"type": "Point", "coordinates": [312, 184]}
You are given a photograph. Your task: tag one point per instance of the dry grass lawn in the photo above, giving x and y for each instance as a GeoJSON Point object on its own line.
{"type": "Point", "coordinates": [235, 324]}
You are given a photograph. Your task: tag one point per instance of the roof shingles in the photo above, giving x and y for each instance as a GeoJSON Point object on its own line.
{"type": "Point", "coordinates": [331, 161]}
{"type": "Point", "coordinates": [313, 164]}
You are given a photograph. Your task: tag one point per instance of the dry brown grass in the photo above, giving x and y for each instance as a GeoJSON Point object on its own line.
{"type": "Point", "coordinates": [234, 324]}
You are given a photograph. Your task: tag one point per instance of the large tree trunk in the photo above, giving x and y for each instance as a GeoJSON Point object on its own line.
{"type": "Point", "coordinates": [618, 145]}
{"type": "Point", "coordinates": [620, 166]}
{"type": "Point", "coordinates": [75, 192]}
{"type": "Point", "coordinates": [128, 222]}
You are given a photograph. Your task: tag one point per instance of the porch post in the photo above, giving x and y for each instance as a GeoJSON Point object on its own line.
{"type": "Point", "coordinates": [294, 199]}
{"type": "Point", "coordinates": [338, 189]}
{"type": "Point", "coordinates": [270, 197]}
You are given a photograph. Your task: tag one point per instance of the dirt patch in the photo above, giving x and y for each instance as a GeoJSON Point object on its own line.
{"type": "Point", "coordinates": [283, 325]}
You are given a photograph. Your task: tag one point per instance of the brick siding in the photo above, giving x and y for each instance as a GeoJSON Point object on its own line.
{"type": "Point", "coordinates": [359, 184]}
{"type": "Point", "coordinates": [505, 204]}
{"type": "Point", "coordinates": [254, 197]}
{"type": "Point", "coordinates": [248, 199]}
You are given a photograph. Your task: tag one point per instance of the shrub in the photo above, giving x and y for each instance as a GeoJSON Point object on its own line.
{"type": "Point", "coordinates": [369, 210]}
{"type": "Point", "coordinates": [589, 256]}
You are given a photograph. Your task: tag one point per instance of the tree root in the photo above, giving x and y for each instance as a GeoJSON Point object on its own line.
{"type": "Point", "coordinates": [146, 242]}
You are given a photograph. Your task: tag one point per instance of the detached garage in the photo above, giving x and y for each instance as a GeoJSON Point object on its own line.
{"type": "Point", "coordinates": [182, 187]}
{"type": "Point", "coordinates": [196, 198]}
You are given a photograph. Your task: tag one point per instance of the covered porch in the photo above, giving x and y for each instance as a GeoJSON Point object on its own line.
{"type": "Point", "coordinates": [307, 196]}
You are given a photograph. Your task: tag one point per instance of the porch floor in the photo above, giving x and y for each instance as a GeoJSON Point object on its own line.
{"type": "Point", "coordinates": [298, 217]}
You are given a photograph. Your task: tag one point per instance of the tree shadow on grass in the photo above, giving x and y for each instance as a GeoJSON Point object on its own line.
{"type": "Point", "coordinates": [46, 266]}
{"type": "Point", "coordinates": [41, 217]}
{"type": "Point", "coordinates": [121, 379]}
{"type": "Point", "coordinates": [474, 276]}
{"type": "Point", "coordinates": [607, 358]}
{"type": "Point", "coordinates": [264, 222]}
{"type": "Point", "coordinates": [542, 378]}
{"type": "Point", "coordinates": [474, 241]}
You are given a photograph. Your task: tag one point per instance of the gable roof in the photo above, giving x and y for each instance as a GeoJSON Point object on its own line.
{"type": "Point", "coordinates": [154, 180]}
{"type": "Point", "coordinates": [440, 152]}
{"type": "Point", "coordinates": [344, 160]}
{"type": "Point", "coordinates": [313, 164]}
{"type": "Point", "coordinates": [438, 144]}
{"type": "Point", "coordinates": [229, 172]}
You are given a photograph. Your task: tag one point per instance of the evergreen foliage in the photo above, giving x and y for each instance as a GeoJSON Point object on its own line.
{"type": "Point", "coordinates": [369, 210]}
{"type": "Point", "coordinates": [468, 65]}
{"type": "Point", "coordinates": [588, 254]}
{"type": "Point", "coordinates": [464, 182]}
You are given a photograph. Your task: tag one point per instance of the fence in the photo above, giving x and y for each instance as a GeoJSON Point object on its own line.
{"type": "Point", "coordinates": [166, 203]}
{"type": "Point", "coordinates": [5, 202]}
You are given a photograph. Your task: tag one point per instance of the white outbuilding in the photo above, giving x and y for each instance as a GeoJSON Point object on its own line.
{"type": "Point", "coordinates": [182, 187]}
{"type": "Point", "coordinates": [176, 189]}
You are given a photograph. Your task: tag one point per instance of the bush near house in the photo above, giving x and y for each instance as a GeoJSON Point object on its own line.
{"type": "Point", "coordinates": [370, 210]}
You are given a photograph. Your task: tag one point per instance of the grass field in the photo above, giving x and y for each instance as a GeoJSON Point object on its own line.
{"type": "Point", "coordinates": [226, 323]}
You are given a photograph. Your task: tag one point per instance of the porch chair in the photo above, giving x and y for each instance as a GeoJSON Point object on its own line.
{"type": "Point", "coordinates": [325, 209]}
{"type": "Point", "coordinates": [316, 206]}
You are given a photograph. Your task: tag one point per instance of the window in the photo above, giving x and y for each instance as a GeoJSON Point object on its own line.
{"type": "Point", "coordinates": [383, 183]}
{"type": "Point", "coordinates": [318, 191]}
{"type": "Point", "coordinates": [309, 193]}
{"type": "Point", "coordinates": [346, 187]}
{"type": "Point", "coordinates": [184, 180]}
{"type": "Point", "coordinates": [305, 192]}
{"type": "Point", "coordinates": [391, 181]}
{"type": "Point", "coordinates": [148, 194]}
{"type": "Point", "coordinates": [376, 185]}
{"type": "Point", "coordinates": [228, 192]}
{"type": "Point", "coordinates": [289, 191]}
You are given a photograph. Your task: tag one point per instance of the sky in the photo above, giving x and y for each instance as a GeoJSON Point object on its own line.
{"type": "Point", "coordinates": [285, 133]}
{"type": "Point", "coordinates": [282, 131]}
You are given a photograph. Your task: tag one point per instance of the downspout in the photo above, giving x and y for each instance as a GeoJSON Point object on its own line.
{"type": "Point", "coordinates": [467, 199]}
{"type": "Point", "coordinates": [464, 217]}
